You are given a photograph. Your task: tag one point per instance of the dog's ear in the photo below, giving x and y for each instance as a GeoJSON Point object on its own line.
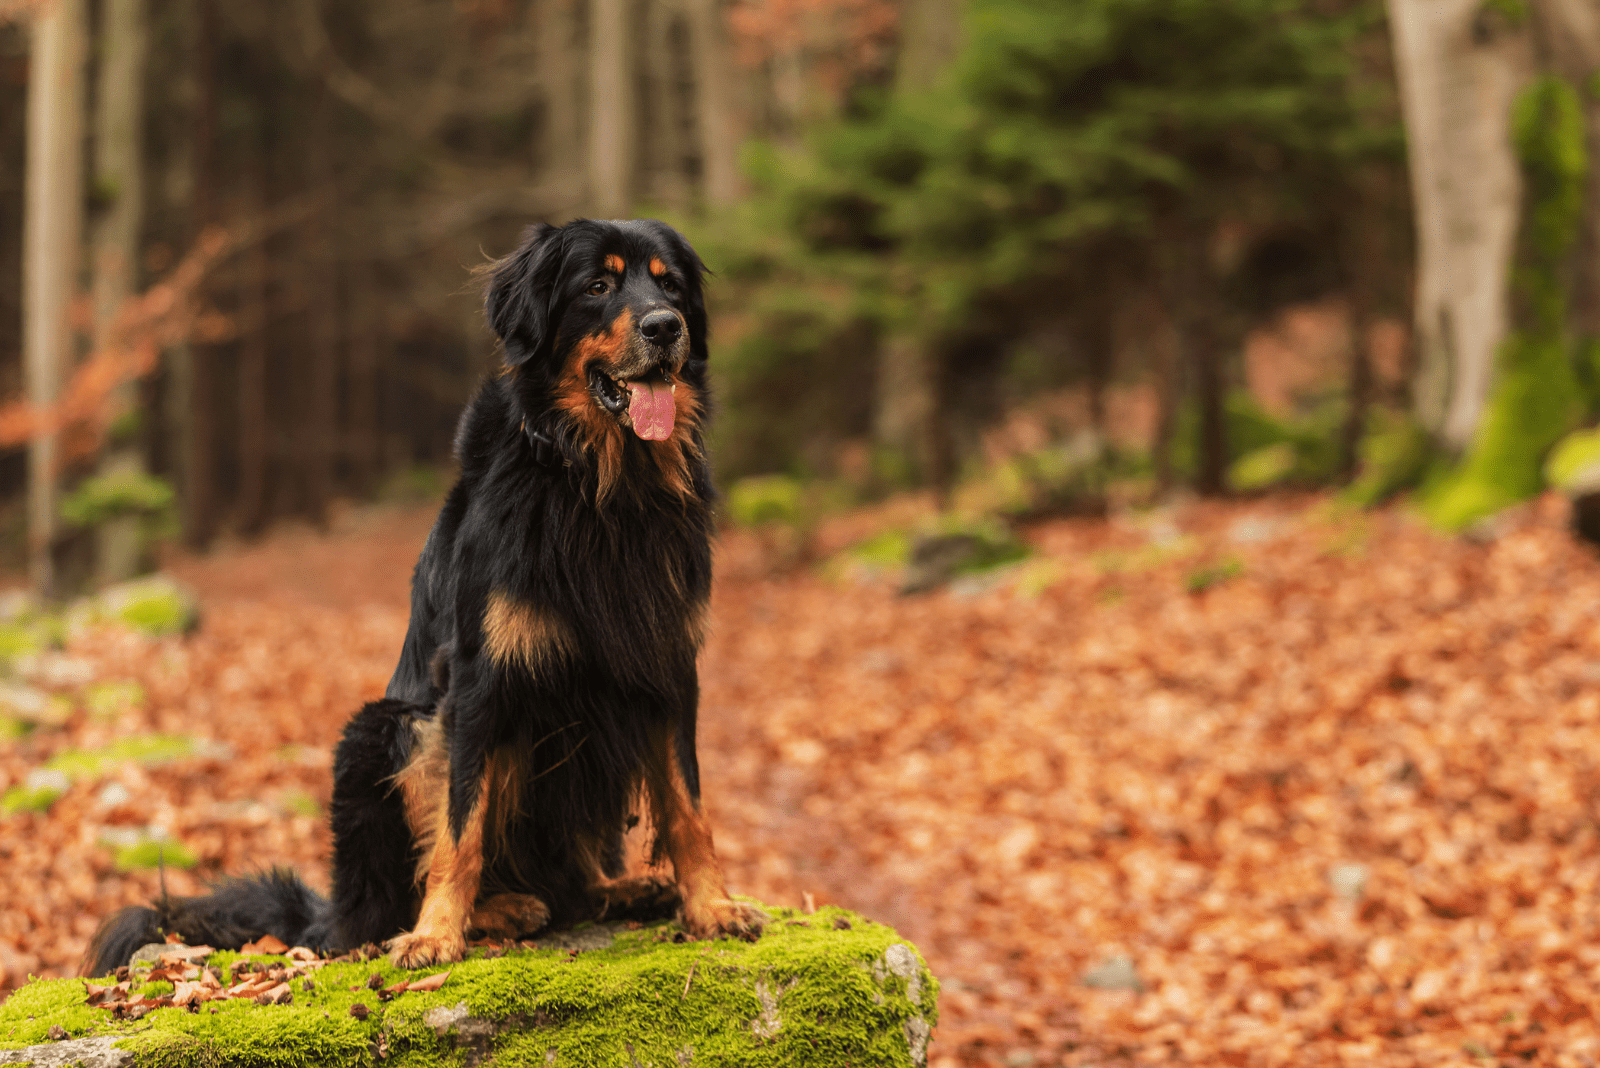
{"type": "Point", "coordinates": [522, 292]}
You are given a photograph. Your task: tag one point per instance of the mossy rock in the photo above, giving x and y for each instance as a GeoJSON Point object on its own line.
{"type": "Point", "coordinates": [960, 549]}
{"type": "Point", "coordinates": [824, 989]}
{"type": "Point", "coordinates": [1573, 466]}
{"type": "Point", "coordinates": [1262, 468]}
{"type": "Point", "coordinates": [155, 605]}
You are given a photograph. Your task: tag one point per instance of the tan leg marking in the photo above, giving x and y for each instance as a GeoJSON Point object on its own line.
{"type": "Point", "coordinates": [685, 837]}
{"type": "Point", "coordinates": [454, 868]}
{"type": "Point", "coordinates": [424, 781]}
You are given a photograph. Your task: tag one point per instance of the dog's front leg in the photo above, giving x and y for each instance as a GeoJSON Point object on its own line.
{"type": "Point", "coordinates": [685, 833]}
{"type": "Point", "coordinates": [454, 866]}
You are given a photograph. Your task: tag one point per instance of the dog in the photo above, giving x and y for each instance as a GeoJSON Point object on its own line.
{"type": "Point", "coordinates": [547, 690]}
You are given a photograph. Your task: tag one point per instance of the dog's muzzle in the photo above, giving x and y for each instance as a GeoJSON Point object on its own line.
{"type": "Point", "coordinates": [640, 395]}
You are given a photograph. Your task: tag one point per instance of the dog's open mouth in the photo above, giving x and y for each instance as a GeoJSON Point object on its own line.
{"type": "Point", "coordinates": [646, 404]}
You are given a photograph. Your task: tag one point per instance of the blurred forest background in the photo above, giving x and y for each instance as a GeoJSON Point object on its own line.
{"type": "Point", "coordinates": [1103, 323]}
{"type": "Point", "coordinates": [1065, 250]}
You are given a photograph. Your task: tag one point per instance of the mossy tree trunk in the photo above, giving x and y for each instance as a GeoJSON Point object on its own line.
{"type": "Point", "coordinates": [1507, 339]}
{"type": "Point", "coordinates": [1461, 64]}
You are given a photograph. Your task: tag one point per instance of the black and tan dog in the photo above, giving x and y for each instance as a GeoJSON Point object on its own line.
{"type": "Point", "coordinates": [547, 685]}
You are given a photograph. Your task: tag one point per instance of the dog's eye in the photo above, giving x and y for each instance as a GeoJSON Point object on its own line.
{"type": "Point", "coordinates": [668, 285]}
{"type": "Point", "coordinates": [599, 289]}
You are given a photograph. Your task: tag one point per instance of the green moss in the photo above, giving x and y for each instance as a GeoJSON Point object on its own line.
{"type": "Point", "coordinates": [993, 543]}
{"type": "Point", "coordinates": [155, 615]}
{"type": "Point", "coordinates": [155, 605]}
{"type": "Point", "coordinates": [152, 854]}
{"type": "Point", "coordinates": [806, 993]}
{"type": "Point", "coordinates": [51, 780]}
{"type": "Point", "coordinates": [100, 498]}
{"type": "Point", "coordinates": [301, 804]}
{"type": "Point", "coordinates": [889, 548]}
{"type": "Point", "coordinates": [1263, 468]}
{"type": "Point", "coordinates": [766, 499]}
{"type": "Point", "coordinates": [1145, 557]}
{"type": "Point", "coordinates": [109, 700]}
{"type": "Point", "coordinates": [1204, 578]}
{"type": "Point", "coordinates": [1395, 453]}
{"type": "Point", "coordinates": [1535, 402]}
{"type": "Point", "coordinates": [19, 639]}
{"type": "Point", "coordinates": [139, 749]}
{"type": "Point", "coordinates": [1575, 461]}
{"type": "Point", "coordinates": [1303, 450]}
{"type": "Point", "coordinates": [28, 1014]}
{"type": "Point", "coordinates": [28, 799]}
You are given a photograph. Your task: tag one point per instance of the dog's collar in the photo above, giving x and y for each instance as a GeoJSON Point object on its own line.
{"type": "Point", "coordinates": [544, 449]}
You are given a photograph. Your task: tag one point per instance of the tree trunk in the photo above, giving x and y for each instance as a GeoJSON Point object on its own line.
{"type": "Point", "coordinates": [930, 37]}
{"type": "Point", "coordinates": [910, 419]}
{"type": "Point", "coordinates": [1210, 388]}
{"type": "Point", "coordinates": [718, 129]}
{"type": "Point", "coordinates": [610, 109]}
{"type": "Point", "coordinates": [1460, 68]}
{"type": "Point", "coordinates": [119, 175]}
{"type": "Point", "coordinates": [907, 408]}
{"type": "Point", "coordinates": [255, 316]}
{"type": "Point", "coordinates": [190, 394]}
{"type": "Point", "coordinates": [320, 434]}
{"type": "Point", "coordinates": [1569, 38]}
{"type": "Point", "coordinates": [52, 231]}
{"type": "Point", "coordinates": [562, 53]}
{"type": "Point", "coordinates": [1162, 352]}
{"type": "Point", "coordinates": [362, 447]}
{"type": "Point", "coordinates": [1362, 248]}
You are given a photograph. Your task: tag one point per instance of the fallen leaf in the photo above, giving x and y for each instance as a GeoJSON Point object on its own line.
{"type": "Point", "coordinates": [265, 945]}
{"type": "Point", "coordinates": [428, 983]}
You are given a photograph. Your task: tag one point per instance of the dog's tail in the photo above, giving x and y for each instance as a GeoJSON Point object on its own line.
{"type": "Point", "coordinates": [236, 911]}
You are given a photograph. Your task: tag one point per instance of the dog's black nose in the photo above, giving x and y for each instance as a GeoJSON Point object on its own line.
{"type": "Point", "coordinates": [661, 327]}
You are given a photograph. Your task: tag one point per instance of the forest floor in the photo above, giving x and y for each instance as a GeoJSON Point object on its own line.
{"type": "Point", "coordinates": [1265, 782]}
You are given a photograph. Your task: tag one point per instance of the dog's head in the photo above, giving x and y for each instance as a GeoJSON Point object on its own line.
{"type": "Point", "coordinates": [604, 331]}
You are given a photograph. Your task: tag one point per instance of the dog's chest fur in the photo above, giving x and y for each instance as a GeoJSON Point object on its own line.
{"type": "Point", "coordinates": [556, 588]}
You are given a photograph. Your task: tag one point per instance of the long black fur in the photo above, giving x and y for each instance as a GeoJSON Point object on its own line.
{"type": "Point", "coordinates": [625, 567]}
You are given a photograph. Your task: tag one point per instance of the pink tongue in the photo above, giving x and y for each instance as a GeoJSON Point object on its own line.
{"type": "Point", "coordinates": [651, 410]}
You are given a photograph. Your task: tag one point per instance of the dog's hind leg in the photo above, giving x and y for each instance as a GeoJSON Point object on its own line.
{"type": "Point", "coordinates": [374, 851]}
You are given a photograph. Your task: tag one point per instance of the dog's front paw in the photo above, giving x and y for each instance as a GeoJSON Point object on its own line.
{"type": "Point", "coordinates": [724, 918]}
{"type": "Point", "coordinates": [416, 949]}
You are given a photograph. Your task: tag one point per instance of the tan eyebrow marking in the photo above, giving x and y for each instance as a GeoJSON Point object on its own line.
{"type": "Point", "coordinates": [615, 263]}
{"type": "Point", "coordinates": [657, 268]}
